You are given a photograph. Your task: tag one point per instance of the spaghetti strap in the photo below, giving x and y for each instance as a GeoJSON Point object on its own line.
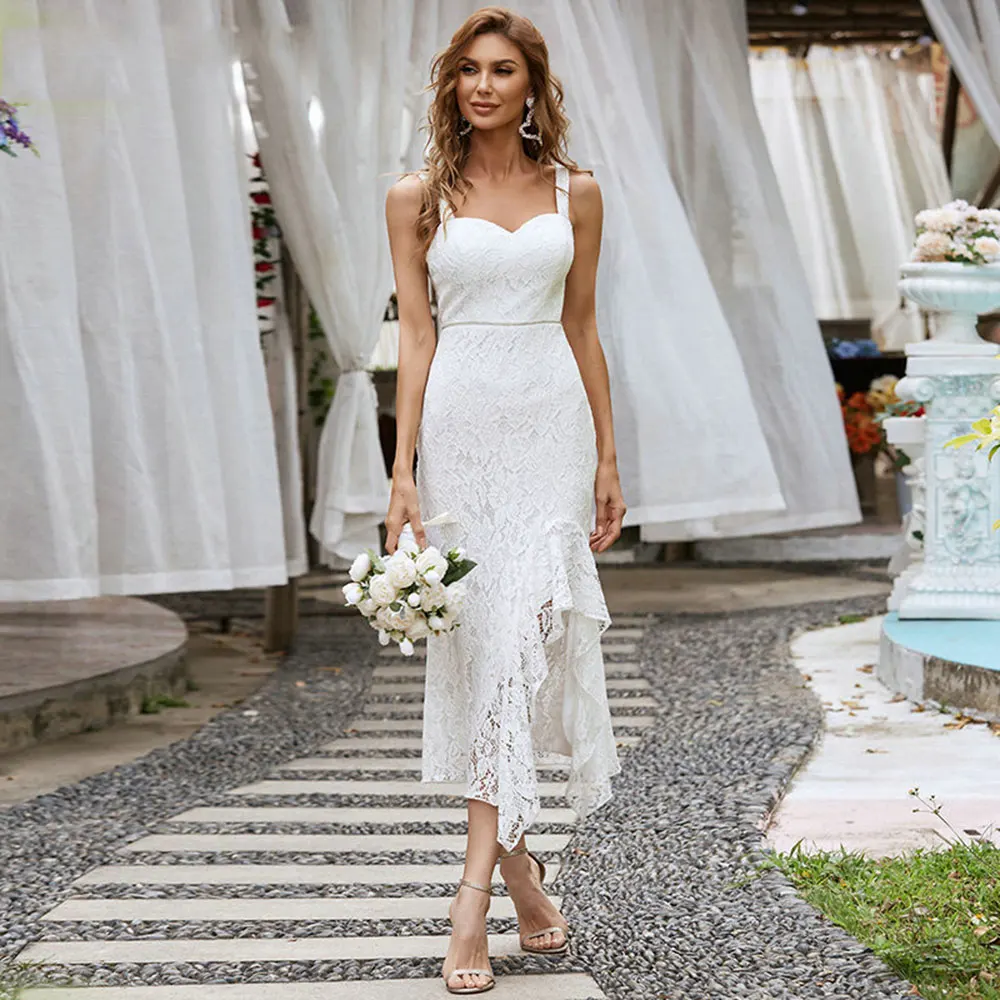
{"type": "Point", "coordinates": [562, 189]}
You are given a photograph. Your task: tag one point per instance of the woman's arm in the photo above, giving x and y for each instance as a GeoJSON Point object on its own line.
{"type": "Point", "coordinates": [417, 343]}
{"type": "Point", "coordinates": [580, 323]}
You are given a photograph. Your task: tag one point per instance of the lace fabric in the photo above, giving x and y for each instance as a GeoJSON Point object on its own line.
{"type": "Point", "coordinates": [507, 445]}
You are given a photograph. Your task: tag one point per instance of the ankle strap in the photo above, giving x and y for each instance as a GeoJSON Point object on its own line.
{"type": "Point", "coordinates": [475, 885]}
{"type": "Point", "coordinates": [514, 853]}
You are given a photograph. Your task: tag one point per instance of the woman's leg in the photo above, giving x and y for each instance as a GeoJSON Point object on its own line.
{"type": "Point", "coordinates": [534, 908]}
{"type": "Point", "coordinates": [468, 948]}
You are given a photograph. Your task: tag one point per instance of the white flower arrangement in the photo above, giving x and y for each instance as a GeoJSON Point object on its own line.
{"type": "Point", "coordinates": [958, 232]}
{"type": "Point", "coordinates": [411, 594]}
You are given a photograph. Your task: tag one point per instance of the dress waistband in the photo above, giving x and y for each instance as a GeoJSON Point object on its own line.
{"type": "Point", "coordinates": [502, 322]}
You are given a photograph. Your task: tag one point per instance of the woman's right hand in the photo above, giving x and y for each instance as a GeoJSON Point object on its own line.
{"type": "Point", "coordinates": [404, 507]}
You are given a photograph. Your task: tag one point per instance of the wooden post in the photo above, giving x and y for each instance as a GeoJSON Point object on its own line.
{"type": "Point", "coordinates": [950, 126]}
{"type": "Point", "coordinates": [281, 604]}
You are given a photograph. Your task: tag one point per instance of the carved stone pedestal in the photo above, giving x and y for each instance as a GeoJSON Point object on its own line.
{"type": "Point", "coordinates": [956, 375]}
{"type": "Point", "coordinates": [907, 434]}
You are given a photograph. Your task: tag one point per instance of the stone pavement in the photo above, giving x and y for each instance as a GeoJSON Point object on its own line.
{"type": "Point", "coordinates": [852, 790]}
{"type": "Point", "coordinates": [324, 861]}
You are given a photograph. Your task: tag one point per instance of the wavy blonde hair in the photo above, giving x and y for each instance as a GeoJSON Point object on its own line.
{"type": "Point", "coordinates": [447, 151]}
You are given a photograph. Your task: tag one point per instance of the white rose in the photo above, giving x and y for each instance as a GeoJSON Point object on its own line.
{"type": "Point", "coordinates": [414, 600]}
{"type": "Point", "coordinates": [929, 218]}
{"type": "Point", "coordinates": [419, 629]}
{"type": "Point", "coordinates": [401, 570]}
{"type": "Point", "coordinates": [407, 541]}
{"type": "Point", "coordinates": [457, 553]}
{"type": "Point", "coordinates": [435, 622]}
{"type": "Point", "coordinates": [381, 590]}
{"type": "Point", "coordinates": [361, 567]}
{"type": "Point", "coordinates": [367, 606]}
{"type": "Point", "coordinates": [353, 593]}
{"type": "Point", "coordinates": [990, 216]}
{"type": "Point", "coordinates": [406, 647]}
{"type": "Point", "coordinates": [933, 246]}
{"type": "Point", "coordinates": [433, 597]}
{"type": "Point", "coordinates": [988, 247]}
{"type": "Point", "coordinates": [431, 559]}
{"type": "Point", "coordinates": [383, 637]}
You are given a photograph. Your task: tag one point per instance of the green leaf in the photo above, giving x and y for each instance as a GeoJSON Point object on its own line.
{"type": "Point", "coordinates": [960, 441]}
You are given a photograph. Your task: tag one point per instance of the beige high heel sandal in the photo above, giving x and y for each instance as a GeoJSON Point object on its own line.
{"type": "Point", "coordinates": [564, 947]}
{"type": "Point", "coordinates": [488, 889]}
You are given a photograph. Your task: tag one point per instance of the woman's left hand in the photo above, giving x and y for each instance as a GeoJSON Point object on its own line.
{"type": "Point", "coordinates": [610, 507]}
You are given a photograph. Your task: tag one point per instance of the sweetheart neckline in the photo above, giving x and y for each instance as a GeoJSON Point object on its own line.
{"type": "Point", "coordinates": [504, 229]}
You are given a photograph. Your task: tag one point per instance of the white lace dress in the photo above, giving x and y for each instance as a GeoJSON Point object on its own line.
{"type": "Point", "coordinates": [507, 446]}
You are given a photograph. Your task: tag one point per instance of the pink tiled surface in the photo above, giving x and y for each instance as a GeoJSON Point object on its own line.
{"type": "Point", "coordinates": [47, 644]}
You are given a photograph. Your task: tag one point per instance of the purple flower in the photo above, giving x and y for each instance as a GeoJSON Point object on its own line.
{"type": "Point", "coordinates": [11, 131]}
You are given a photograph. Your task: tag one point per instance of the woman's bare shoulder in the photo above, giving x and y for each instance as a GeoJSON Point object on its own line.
{"type": "Point", "coordinates": [584, 191]}
{"type": "Point", "coordinates": [405, 197]}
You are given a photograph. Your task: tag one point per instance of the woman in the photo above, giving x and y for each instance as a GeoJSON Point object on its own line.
{"type": "Point", "coordinates": [509, 412]}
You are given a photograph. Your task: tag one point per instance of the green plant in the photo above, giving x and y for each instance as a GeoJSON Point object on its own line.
{"type": "Point", "coordinates": [15, 977]}
{"type": "Point", "coordinates": [932, 916]}
{"type": "Point", "coordinates": [153, 704]}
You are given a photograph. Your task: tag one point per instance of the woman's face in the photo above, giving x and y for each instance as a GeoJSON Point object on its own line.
{"type": "Point", "coordinates": [493, 82]}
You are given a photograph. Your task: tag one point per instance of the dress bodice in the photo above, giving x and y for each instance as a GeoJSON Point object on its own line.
{"type": "Point", "coordinates": [486, 274]}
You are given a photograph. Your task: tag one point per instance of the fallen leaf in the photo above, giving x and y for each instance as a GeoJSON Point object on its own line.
{"type": "Point", "coordinates": [918, 708]}
{"type": "Point", "coordinates": [853, 704]}
{"type": "Point", "coordinates": [300, 684]}
{"type": "Point", "coordinates": [331, 670]}
{"type": "Point", "coordinates": [897, 697]}
{"type": "Point", "coordinates": [875, 750]}
{"type": "Point", "coordinates": [808, 677]}
{"type": "Point", "coordinates": [867, 668]}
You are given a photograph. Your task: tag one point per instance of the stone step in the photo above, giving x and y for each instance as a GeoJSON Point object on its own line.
{"type": "Point", "coordinates": [380, 690]}
{"type": "Point", "coordinates": [415, 725]}
{"type": "Point", "coordinates": [283, 874]}
{"type": "Point", "coordinates": [420, 650]}
{"type": "Point", "coordinates": [251, 910]}
{"type": "Point", "coordinates": [344, 816]}
{"type": "Point", "coordinates": [456, 789]}
{"type": "Point", "coordinates": [558, 986]}
{"type": "Point", "coordinates": [319, 843]}
{"type": "Point", "coordinates": [231, 950]}
{"type": "Point", "coordinates": [407, 763]}
{"type": "Point", "coordinates": [416, 671]}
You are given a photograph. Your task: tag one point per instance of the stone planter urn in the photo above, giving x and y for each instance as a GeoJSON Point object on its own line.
{"type": "Point", "coordinates": [956, 375]}
{"type": "Point", "coordinates": [958, 294]}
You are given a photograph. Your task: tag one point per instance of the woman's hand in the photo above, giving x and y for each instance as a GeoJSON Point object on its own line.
{"type": "Point", "coordinates": [610, 507]}
{"type": "Point", "coordinates": [404, 507]}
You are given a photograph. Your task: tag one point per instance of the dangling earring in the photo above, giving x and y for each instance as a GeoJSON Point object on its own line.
{"type": "Point", "coordinates": [464, 125]}
{"type": "Point", "coordinates": [525, 125]}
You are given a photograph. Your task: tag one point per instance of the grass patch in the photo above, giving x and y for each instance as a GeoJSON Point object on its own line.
{"type": "Point", "coordinates": [933, 915]}
{"type": "Point", "coordinates": [851, 619]}
{"type": "Point", "coordinates": [15, 977]}
{"type": "Point", "coordinates": [153, 704]}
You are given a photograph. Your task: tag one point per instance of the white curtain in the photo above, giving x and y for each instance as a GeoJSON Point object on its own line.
{"type": "Point", "coordinates": [852, 135]}
{"type": "Point", "coordinates": [692, 59]}
{"type": "Point", "coordinates": [347, 63]}
{"type": "Point", "coordinates": [48, 537]}
{"type": "Point", "coordinates": [182, 488]}
{"type": "Point", "coordinates": [689, 438]}
{"type": "Point", "coordinates": [970, 32]}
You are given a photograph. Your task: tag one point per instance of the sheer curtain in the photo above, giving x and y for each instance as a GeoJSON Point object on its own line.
{"type": "Point", "coordinates": [180, 489]}
{"type": "Point", "coordinates": [852, 135]}
{"type": "Point", "coordinates": [677, 375]}
{"type": "Point", "coordinates": [970, 32]}
{"type": "Point", "coordinates": [48, 537]}
{"type": "Point", "coordinates": [692, 57]}
{"type": "Point", "coordinates": [349, 62]}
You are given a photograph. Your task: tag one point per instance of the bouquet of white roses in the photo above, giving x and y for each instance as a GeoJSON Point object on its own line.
{"type": "Point", "coordinates": [958, 232]}
{"type": "Point", "coordinates": [411, 594]}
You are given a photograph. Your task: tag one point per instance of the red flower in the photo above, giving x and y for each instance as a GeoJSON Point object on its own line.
{"type": "Point", "coordinates": [263, 301]}
{"type": "Point", "coordinates": [261, 197]}
{"type": "Point", "coordinates": [260, 233]}
{"type": "Point", "coordinates": [264, 265]}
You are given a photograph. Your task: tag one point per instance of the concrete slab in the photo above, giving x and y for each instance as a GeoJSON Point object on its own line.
{"type": "Point", "coordinates": [853, 789]}
{"type": "Point", "coordinates": [344, 815]}
{"type": "Point", "coordinates": [319, 843]}
{"type": "Point", "coordinates": [282, 874]}
{"type": "Point", "coordinates": [252, 910]}
{"type": "Point", "coordinates": [414, 788]}
{"type": "Point", "coordinates": [557, 986]}
{"type": "Point", "coordinates": [309, 949]}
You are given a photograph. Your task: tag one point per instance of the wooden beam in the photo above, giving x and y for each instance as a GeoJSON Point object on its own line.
{"type": "Point", "coordinates": [950, 126]}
